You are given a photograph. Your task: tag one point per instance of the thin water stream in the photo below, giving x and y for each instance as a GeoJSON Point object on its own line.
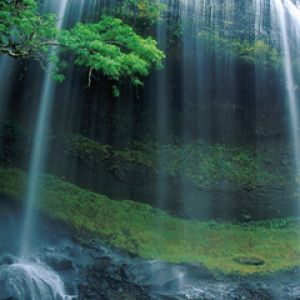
{"type": "Point", "coordinates": [284, 10]}
{"type": "Point", "coordinates": [40, 137]}
{"type": "Point", "coordinates": [33, 279]}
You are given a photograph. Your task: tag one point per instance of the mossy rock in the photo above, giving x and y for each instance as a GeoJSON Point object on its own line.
{"type": "Point", "coordinates": [249, 261]}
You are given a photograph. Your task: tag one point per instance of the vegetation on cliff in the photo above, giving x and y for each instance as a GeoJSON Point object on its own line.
{"type": "Point", "coordinates": [153, 234]}
{"type": "Point", "coordinates": [204, 164]}
{"type": "Point", "coordinates": [258, 52]}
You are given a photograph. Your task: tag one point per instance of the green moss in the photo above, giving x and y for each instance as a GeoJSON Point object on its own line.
{"type": "Point", "coordinates": [206, 165]}
{"type": "Point", "coordinates": [86, 148]}
{"type": "Point", "coordinates": [209, 165]}
{"type": "Point", "coordinates": [256, 52]}
{"type": "Point", "coordinates": [151, 233]}
{"type": "Point", "coordinates": [143, 13]}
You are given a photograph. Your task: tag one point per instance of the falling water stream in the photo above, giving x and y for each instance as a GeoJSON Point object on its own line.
{"type": "Point", "coordinates": [285, 9]}
{"type": "Point", "coordinates": [32, 280]}
{"type": "Point", "coordinates": [41, 133]}
{"type": "Point", "coordinates": [294, 11]}
{"type": "Point", "coordinates": [40, 143]}
{"type": "Point", "coordinates": [28, 279]}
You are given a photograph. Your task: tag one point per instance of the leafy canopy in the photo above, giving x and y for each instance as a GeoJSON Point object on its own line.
{"type": "Point", "coordinates": [258, 51]}
{"type": "Point", "coordinates": [23, 31]}
{"type": "Point", "coordinates": [108, 46]}
{"type": "Point", "coordinates": [113, 48]}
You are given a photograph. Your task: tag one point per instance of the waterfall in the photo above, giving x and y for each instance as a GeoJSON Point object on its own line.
{"type": "Point", "coordinates": [29, 278]}
{"type": "Point", "coordinates": [38, 156]}
{"type": "Point", "coordinates": [206, 96]}
{"type": "Point", "coordinates": [161, 97]}
{"type": "Point", "coordinates": [283, 10]}
{"type": "Point", "coordinates": [39, 148]}
{"type": "Point", "coordinates": [294, 11]}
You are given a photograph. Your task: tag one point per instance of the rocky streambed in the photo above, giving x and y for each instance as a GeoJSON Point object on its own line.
{"type": "Point", "coordinates": [65, 266]}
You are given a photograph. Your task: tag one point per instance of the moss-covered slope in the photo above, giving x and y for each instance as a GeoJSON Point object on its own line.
{"type": "Point", "coordinates": [206, 165]}
{"type": "Point", "coordinates": [151, 233]}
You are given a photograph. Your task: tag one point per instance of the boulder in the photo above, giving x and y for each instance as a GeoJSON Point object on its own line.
{"type": "Point", "coordinates": [249, 261]}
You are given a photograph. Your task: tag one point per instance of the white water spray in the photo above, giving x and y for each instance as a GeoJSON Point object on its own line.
{"type": "Point", "coordinates": [27, 280]}
{"type": "Point", "coordinates": [293, 10]}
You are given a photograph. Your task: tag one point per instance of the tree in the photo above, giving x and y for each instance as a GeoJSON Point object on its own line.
{"type": "Point", "coordinates": [112, 47]}
{"type": "Point", "coordinates": [108, 46]}
{"type": "Point", "coordinates": [140, 13]}
{"type": "Point", "coordinates": [24, 32]}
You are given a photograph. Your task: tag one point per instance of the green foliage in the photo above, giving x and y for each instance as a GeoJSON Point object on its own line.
{"type": "Point", "coordinates": [13, 142]}
{"type": "Point", "coordinates": [206, 165]}
{"type": "Point", "coordinates": [143, 12]}
{"type": "Point", "coordinates": [258, 52]}
{"type": "Point", "coordinates": [153, 234]}
{"type": "Point", "coordinates": [209, 165]}
{"type": "Point", "coordinates": [174, 32]}
{"type": "Point", "coordinates": [23, 31]}
{"type": "Point", "coordinates": [88, 149]}
{"type": "Point", "coordinates": [115, 91]}
{"type": "Point", "coordinates": [108, 46]}
{"type": "Point", "coordinates": [113, 48]}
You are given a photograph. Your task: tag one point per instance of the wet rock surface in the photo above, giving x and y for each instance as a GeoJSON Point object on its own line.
{"type": "Point", "coordinates": [6, 260]}
{"type": "Point", "coordinates": [232, 201]}
{"type": "Point", "coordinates": [176, 282]}
{"type": "Point", "coordinates": [105, 280]}
{"type": "Point", "coordinates": [89, 270]}
{"type": "Point", "coordinates": [59, 262]}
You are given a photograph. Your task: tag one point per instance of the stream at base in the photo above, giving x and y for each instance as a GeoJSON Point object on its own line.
{"type": "Point", "coordinates": [65, 266]}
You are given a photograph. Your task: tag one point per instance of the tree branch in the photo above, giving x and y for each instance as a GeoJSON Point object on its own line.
{"type": "Point", "coordinates": [90, 77]}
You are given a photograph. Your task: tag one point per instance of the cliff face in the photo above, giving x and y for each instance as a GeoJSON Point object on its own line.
{"type": "Point", "coordinates": [222, 84]}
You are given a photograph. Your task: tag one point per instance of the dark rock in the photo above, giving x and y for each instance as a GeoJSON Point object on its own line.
{"type": "Point", "coordinates": [255, 291]}
{"type": "Point", "coordinates": [59, 262]}
{"type": "Point", "coordinates": [105, 280]}
{"type": "Point", "coordinates": [6, 260]}
{"type": "Point", "coordinates": [102, 263]}
{"type": "Point", "coordinates": [250, 261]}
{"type": "Point", "coordinates": [197, 271]}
